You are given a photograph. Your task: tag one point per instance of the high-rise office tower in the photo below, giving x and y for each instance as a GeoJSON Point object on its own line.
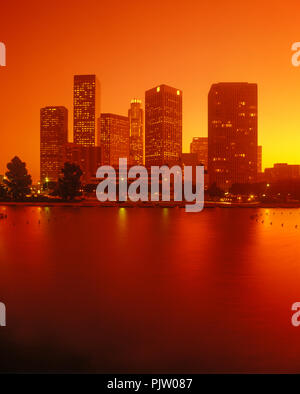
{"type": "Point", "coordinates": [232, 133]}
{"type": "Point", "coordinates": [53, 137]}
{"type": "Point", "coordinates": [163, 126]}
{"type": "Point", "coordinates": [136, 133]}
{"type": "Point", "coordinates": [259, 159]}
{"type": "Point", "coordinates": [199, 145]}
{"type": "Point", "coordinates": [114, 138]}
{"type": "Point", "coordinates": [86, 101]}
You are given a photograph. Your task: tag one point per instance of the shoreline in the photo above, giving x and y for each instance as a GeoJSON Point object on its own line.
{"type": "Point", "coordinates": [157, 204]}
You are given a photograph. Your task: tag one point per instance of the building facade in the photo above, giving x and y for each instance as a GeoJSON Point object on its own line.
{"type": "Point", "coordinates": [86, 107]}
{"type": "Point", "coordinates": [190, 159]}
{"type": "Point", "coordinates": [259, 159]}
{"type": "Point", "coordinates": [136, 133]}
{"type": "Point", "coordinates": [53, 137]}
{"type": "Point", "coordinates": [88, 158]}
{"type": "Point", "coordinates": [232, 134]}
{"type": "Point", "coordinates": [199, 145]}
{"type": "Point", "coordinates": [114, 138]}
{"type": "Point", "coordinates": [163, 126]}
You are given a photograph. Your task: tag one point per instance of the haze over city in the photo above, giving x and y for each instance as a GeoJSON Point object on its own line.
{"type": "Point", "coordinates": [135, 46]}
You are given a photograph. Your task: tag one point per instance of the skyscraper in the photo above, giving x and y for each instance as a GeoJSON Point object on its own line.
{"type": "Point", "coordinates": [53, 137]}
{"type": "Point", "coordinates": [114, 138]}
{"type": "Point", "coordinates": [136, 134]}
{"type": "Point", "coordinates": [199, 145]}
{"type": "Point", "coordinates": [232, 134]}
{"type": "Point", "coordinates": [259, 159]}
{"type": "Point", "coordinates": [86, 109]}
{"type": "Point", "coordinates": [163, 126]}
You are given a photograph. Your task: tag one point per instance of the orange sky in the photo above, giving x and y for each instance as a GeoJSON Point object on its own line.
{"type": "Point", "coordinates": [135, 45]}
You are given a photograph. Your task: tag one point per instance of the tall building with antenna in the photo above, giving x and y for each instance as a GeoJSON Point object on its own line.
{"type": "Point", "coordinates": [136, 133]}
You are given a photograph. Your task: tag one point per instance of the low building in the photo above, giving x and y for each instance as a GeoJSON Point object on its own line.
{"type": "Point", "coordinates": [281, 171]}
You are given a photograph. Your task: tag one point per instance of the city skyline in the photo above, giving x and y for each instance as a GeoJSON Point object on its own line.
{"type": "Point", "coordinates": [94, 137]}
{"type": "Point", "coordinates": [75, 134]}
{"type": "Point", "coordinates": [110, 136]}
{"type": "Point", "coordinates": [113, 133]}
{"type": "Point", "coordinates": [230, 154]}
{"type": "Point", "coordinates": [233, 152]}
{"type": "Point", "coordinates": [190, 46]}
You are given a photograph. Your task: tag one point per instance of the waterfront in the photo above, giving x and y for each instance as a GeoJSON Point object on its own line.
{"type": "Point", "coordinates": [149, 290]}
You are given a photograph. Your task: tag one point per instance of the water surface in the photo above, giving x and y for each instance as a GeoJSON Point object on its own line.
{"type": "Point", "coordinates": [149, 290]}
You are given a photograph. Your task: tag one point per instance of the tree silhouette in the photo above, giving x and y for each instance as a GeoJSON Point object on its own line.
{"type": "Point", "coordinates": [17, 179]}
{"type": "Point", "coordinates": [3, 192]}
{"type": "Point", "coordinates": [69, 184]}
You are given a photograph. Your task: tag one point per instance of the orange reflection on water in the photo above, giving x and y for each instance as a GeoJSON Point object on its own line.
{"type": "Point", "coordinates": [150, 290]}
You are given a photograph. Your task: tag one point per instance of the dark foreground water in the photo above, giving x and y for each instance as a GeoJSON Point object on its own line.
{"type": "Point", "coordinates": [149, 290]}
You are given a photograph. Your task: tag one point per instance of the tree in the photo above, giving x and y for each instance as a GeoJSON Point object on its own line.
{"type": "Point", "coordinates": [69, 184]}
{"type": "Point", "coordinates": [17, 179]}
{"type": "Point", "coordinates": [3, 192]}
